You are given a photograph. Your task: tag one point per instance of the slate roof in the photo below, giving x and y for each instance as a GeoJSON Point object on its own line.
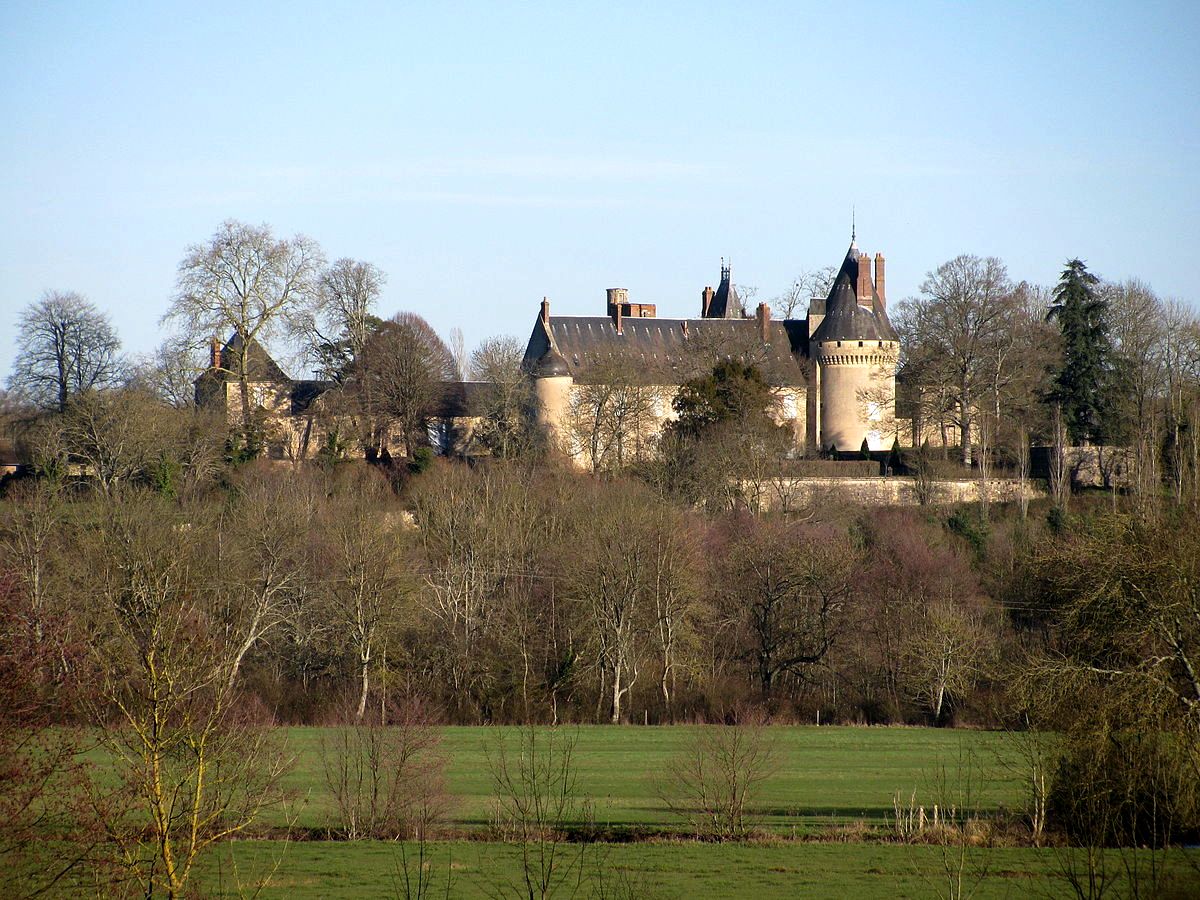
{"type": "Point", "coordinates": [460, 398]}
{"type": "Point", "coordinates": [260, 365]}
{"type": "Point", "coordinates": [550, 365]}
{"type": "Point", "coordinates": [305, 393]}
{"type": "Point", "coordinates": [726, 304]}
{"type": "Point", "coordinates": [845, 318]}
{"type": "Point", "coordinates": [678, 348]}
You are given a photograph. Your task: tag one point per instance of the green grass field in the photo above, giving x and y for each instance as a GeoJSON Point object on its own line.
{"type": "Point", "coordinates": [663, 871]}
{"type": "Point", "coordinates": [826, 777]}
{"type": "Point", "coordinates": [825, 774]}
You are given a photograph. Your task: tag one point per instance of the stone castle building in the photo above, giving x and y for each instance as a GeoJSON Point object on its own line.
{"type": "Point", "coordinates": [604, 383]}
{"type": "Point", "coordinates": [833, 371]}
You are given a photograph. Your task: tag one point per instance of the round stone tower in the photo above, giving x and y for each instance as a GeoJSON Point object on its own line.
{"type": "Point", "coordinates": [552, 383]}
{"type": "Point", "coordinates": [855, 350]}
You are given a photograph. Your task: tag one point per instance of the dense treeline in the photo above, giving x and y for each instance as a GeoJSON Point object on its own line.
{"type": "Point", "coordinates": [506, 593]}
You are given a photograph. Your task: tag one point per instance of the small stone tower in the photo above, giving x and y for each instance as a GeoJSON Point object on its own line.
{"type": "Point", "coordinates": [854, 351]}
{"type": "Point", "coordinates": [552, 383]}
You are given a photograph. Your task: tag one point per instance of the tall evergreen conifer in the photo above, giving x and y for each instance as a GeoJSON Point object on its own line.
{"type": "Point", "coordinates": [1083, 383]}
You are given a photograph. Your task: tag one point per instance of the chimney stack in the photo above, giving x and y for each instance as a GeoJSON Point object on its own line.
{"type": "Point", "coordinates": [864, 278]}
{"type": "Point", "coordinates": [546, 312]}
{"type": "Point", "coordinates": [763, 314]}
{"type": "Point", "coordinates": [618, 298]}
{"type": "Point", "coordinates": [706, 298]}
{"type": "Point", "coordinates": [214, 353]}
{"type": "Point", "coordinates": [879, 279]}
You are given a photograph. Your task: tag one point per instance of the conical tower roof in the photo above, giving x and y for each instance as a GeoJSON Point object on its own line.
{"type": "Point", "coordinates": [845, 318]}
{"type": "Point", "coordinates": [552, 364]}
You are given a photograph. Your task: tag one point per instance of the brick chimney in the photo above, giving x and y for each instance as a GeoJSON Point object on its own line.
{"type": "Point", "coordinates": [545, 312]}
{"type": "Point", "coordinates": [763, 315]}
{"type": "Point", "coordinates": [618, 299]}
{"type": "Point", "coordinates": [864, 279]}
{"type": "Point", "coordinates": [879, 279]}
{"type": "Point", "coordinates": [214, 353]}
{"type": "Point", "coordinates": [706, 297]}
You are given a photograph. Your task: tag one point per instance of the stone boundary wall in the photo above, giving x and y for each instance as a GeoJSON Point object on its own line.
{"type": "Point", "coordinates": [891, 491]}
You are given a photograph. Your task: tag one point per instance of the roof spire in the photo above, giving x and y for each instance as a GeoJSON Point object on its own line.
{"type": "Point", "coordinates": [853, 229]}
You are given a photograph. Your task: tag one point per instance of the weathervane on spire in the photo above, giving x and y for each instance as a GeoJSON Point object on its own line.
{"type": "Point", "coordinates": [852, 226]}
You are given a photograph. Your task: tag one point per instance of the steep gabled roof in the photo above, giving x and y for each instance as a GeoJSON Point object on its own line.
{"type": "Point", "coordinates": [666, 351]}
{"type": "Point", "coordinates": [260, 366]}
{"type": "Point", "coordinates": [726, 304]}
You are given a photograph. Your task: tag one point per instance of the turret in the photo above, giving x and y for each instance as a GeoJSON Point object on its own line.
{"type": "Point", "coordinates": [552, 383]}
{"type": "Point", "coordinates": [855, 349]}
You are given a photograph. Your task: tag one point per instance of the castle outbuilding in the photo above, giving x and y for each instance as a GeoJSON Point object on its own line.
{"type": "Point", "coordinates": [833, 371]}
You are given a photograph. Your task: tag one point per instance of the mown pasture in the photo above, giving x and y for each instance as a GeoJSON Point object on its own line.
{"type": "Point", "coordinates": [663, 870]}
{"type": "Point", "coordinates": [826, 813]}
{"type": "Point", "coordinates": [823, 775]}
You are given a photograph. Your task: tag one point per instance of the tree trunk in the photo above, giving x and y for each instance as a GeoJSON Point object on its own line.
{"type": "Point", "coordinates": [362, 697]}
{"type": "Point", "coordinates": [616, 695]}
{"type": "Point", "coordinates": [964, 420]}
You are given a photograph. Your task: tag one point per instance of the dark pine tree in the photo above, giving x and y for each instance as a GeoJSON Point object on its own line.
{"type": "Point", "coordinates": [1083, 384]}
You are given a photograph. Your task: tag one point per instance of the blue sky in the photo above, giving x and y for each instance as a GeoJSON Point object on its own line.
{"type": "Point", "coordinates": [485, 155]}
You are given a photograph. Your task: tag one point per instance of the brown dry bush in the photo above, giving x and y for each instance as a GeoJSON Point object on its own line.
{"type": "Point", "coordinates": [385, 770]}
{"type": "Point", "coordinates": [714, 782]}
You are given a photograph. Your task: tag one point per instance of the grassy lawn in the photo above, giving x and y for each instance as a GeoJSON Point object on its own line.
{"type": "Point", "coordinates": [825, 774]}
{"type": "Point", "coordinates": [658, 871]}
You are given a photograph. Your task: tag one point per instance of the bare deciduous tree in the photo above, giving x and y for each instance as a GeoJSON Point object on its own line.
{"type": "Point", "coordinates": [809, 284]}
{"type": "Point", "coordinates": [401, 376]}
{"type": "Point", "coordinates": [956, 331]}
{"type": "Point", "coordinates": [536, 793]}
{"type": "Point", "coordinates": [718, 776]}
{"type": "Point", "coordinates": [615, 414]}
{"type": "Point", "coordinates": [507, 397]}
{"type": "Point", "coordinates": [480, 534]}
{"type": "Point", "coordinates": [365, 581]}
{"type": "Point", "coordinates": [65, 347]}
{"type": "Point", "coordinates": [170, 372]}
{"type": "Point", "coordinates": [340, 315]}
{"type": "Point", "coordinates": [783, 589]}
{"type": "Point", "coordinates": [947, 650]}
{"type": "Point", "coordinates": [44, 840]}
{"type": "Point", "coordinates": [622, 563]}
{"type": "Point", "coordinates": [246, 282]}
{"type": "Point", "coordinates": [385, 772]}
{"type": "Point", "coordinates": [125, 437]}
{"type": "Point", "coordinates": [191, 771]}
{"type": "Point", "coordinates": [263, 552]}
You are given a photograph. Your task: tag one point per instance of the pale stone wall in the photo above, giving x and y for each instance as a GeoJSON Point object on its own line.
{"type": "Point", "coordinates": [892, 491]}
{"type": "Point", "coordinates": [552, 397]}
{"type": "Point", "coordinates": [858, 395]}
{"type": "Point", "coordinates": [567, 411]}
{"type": "Point", "coordinates": [1100, 466]}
